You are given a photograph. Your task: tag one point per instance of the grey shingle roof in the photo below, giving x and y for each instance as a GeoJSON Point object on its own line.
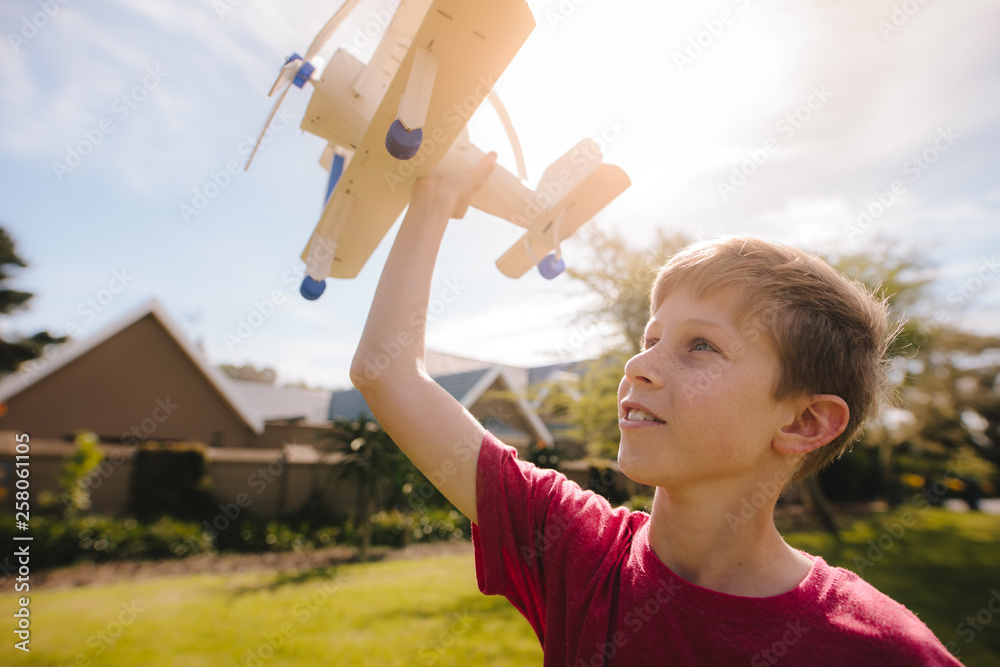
{"type": "Point", "coordinates": [541, 373]}
{"type": "Point", "coordinates": [348, 404]}
{"type": "Point", "coordinates": [459, 384]}
{"type": "Point", "coordinates": [272, 402]}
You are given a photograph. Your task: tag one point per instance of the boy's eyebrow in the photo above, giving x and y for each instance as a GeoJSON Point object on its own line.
{"type": "Point", "coordinates": [709, 323]}
{"type": "Point", "coordinates": [699, 322]}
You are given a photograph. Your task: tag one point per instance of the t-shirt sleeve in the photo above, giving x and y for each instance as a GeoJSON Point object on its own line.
{"type": "Point", "coordinates": [539, 536]}
{"type": "Point", "coordinates": [883, 626]}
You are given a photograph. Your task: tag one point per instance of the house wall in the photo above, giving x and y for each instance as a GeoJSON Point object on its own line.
{"type": "Point", "coordinates": [258, 482]}
{"type": "Point", "coordinates": [140, 379]}
{"type": "Point", "coordinates": [277, 434]}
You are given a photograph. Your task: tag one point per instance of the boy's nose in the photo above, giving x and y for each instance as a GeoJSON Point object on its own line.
{"type": "Point", "coordinates": [642, 370]}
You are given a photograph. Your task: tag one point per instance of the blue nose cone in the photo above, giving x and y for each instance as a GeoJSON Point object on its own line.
{"type": "Point", "coordinates": [550, 267]}
{"type": "Point", "coordinates": [403, 144]}
{"type": "Point", "coordinates": [312, 289]}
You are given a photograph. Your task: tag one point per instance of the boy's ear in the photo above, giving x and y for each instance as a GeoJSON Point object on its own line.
{"type": "Point", "coordinates": [818, 420]}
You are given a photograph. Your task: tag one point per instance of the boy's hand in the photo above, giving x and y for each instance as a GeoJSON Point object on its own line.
{"type": "Point", "coordinates": [454, 191]}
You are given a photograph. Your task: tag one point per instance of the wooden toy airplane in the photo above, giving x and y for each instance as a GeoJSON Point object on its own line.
{"type": "Point", "coordinates": [403, 116]}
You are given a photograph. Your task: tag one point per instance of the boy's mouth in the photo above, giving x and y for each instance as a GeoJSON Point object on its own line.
{"type": "Point", "coordinates": [634, 413]}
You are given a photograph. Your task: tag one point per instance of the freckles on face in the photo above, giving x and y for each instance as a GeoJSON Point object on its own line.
{"type": "Point", "coordinates": [709, 381]}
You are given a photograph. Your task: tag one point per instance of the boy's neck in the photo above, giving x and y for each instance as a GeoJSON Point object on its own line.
{"type": "Point", "coordinates": [703, 538]}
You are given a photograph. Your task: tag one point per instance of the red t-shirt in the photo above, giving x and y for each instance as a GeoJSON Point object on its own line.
{"type": "Point", "coordinates": [585, 577]}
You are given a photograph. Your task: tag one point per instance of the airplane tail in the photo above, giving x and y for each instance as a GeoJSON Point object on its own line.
{"type": "Point", "coordinates": [571, 191]}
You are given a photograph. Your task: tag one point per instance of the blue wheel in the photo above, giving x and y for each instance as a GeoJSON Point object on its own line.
{"type": "Point", "coordinates": [401, 144]}
{"type": "Point", "coordinates": [550, 267]}
{"type": "Point", "coordinates": [312, 289]}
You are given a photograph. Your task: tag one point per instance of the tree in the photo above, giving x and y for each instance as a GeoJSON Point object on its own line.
{"type": "Point", "coordinates": [933, 429]}
{"type": "Point", "coordinates": [373, 459]}
{"type": "Point", "coordinates": [954, 407]}
{"type": "Point", "coordinates": [73, 475]}
{"type": "Point", "coordinates": [621, 278]}
{"type": "Point", "coordinates": [16, 352]}
{"type": "Point", "coordinates": [250, 373]}
{"type": "Point", "coordinates": [899, 277]}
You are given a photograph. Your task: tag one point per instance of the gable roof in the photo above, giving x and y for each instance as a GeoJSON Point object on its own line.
{"type": "Point", "coordinates": [467, 388]}
{"type": "Point", "coordinates": [69, 352]}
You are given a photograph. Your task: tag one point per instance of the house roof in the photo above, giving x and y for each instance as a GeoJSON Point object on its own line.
{"type": "Point", "coordinates": [539, 374]}
{"type": "Point", "coordinates": [269, 401]}
{"type": "Point", "coordinates": [467, 388]}
{"type": "Point", "coordinates": [15, 383]}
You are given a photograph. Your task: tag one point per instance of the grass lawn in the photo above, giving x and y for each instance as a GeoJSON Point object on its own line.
{"type": "Point", "coordinates": [943, 566]}
{"type": "Point", "coordinates": [405, 612]}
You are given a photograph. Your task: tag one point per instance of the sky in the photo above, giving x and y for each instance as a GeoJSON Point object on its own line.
{"type": "Point", "coordinates": [832, 126]}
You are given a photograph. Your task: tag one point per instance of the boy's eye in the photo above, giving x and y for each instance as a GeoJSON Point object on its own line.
{"type": "Point", "coordinates": [649, 342]}
{"type": "Point", "coordinates": [701, 345]}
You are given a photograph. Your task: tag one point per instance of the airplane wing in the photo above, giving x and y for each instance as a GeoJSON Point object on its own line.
{"type": "Point", "coordinates": [475, 41]}
{"type": "Point", "coordinates": [591, 194]}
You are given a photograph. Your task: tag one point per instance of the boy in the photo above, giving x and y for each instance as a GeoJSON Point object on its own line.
{"type": "Point", "coordinates": [759, 365]}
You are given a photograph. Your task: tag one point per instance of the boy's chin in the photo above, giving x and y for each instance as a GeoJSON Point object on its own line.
{"type": "Point", "coordinates": [633, 468]}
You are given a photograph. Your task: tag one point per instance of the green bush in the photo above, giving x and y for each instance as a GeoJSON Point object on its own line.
{"type": "Point", "coordinates": [390, 528]}
{"type": "Point", "coordinates": [66, 540]}
{"type": "Point", "coordinates": [854, 477]}
{"type": "Point", "coordinates": [63, 541]}
{"type": "Point", "coordinates": [170, 479]}
{"type": "Point", "coordinates": [254, 536]}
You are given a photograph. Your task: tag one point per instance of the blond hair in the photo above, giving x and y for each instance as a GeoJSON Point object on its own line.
{"type": "Point", "coordinates": [830, 332]}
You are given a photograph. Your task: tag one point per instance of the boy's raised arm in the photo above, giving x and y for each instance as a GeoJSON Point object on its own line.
{"type": "Point", "coordinates": [429, 425]}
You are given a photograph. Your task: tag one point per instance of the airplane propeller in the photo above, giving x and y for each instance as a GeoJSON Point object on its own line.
{"type": "Point", "coordinates": [298, 70]}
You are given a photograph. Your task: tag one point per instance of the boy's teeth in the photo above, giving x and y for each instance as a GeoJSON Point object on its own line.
{"type": "Point", "coordinates": [639, 415]}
